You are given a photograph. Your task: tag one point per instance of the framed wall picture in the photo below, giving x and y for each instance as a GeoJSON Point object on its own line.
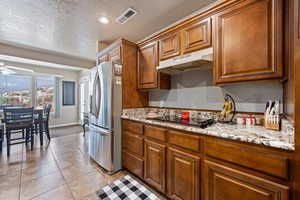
{"type": "Point", "coordinates": [68, 89]}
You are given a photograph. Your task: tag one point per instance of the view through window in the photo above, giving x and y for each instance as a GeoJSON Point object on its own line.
{"type": "Point", "coordinates": [16, 90]}
{"type": "Point", "coordinates": [45, 91]}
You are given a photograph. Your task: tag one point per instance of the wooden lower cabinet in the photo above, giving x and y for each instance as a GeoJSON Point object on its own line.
{"type": "Point", "coordinates": [133, 143]}
{"type": "Point", "coordinates": [183, 175]}
{"type": "Point", "coordinates": [155, 169]}
{"type": "Point", "coordinates": [186, 166]}
{"type": "Point", "coordinates": [133, 163]}
{"type": "Point", "coordinates": [224, 183]}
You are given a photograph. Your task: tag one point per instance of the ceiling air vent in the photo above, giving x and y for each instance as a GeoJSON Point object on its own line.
{"type": "Point", "coordinates": [127, 15]}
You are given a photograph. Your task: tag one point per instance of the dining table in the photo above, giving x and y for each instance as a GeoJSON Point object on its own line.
{"type": "Point", "coordinates": [38, 116]}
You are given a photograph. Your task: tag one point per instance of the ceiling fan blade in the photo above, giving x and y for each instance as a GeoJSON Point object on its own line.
{"type": "Point", "coordinates": [19, 68]}
{"type": "Point", "coordinates": [6, 71]}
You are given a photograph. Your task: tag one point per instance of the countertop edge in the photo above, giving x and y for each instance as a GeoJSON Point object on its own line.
{"type": "Point", "coordinates": [282, 146]}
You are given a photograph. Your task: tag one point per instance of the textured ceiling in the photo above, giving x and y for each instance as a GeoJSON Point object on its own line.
{"type": "Point", "coordinates": [71, 26]}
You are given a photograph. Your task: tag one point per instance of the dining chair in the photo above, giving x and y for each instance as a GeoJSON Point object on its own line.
{"type": "Point", "coordinates": [38, 124]}
{"type": "Point", "coordinates": [85, 122]}
{"type": "Point", "coordinates": [18, 120]}
{"type": "Point", "coordinates": [47, 110]}
{"type": "Point", "coordinates": [1, 136]}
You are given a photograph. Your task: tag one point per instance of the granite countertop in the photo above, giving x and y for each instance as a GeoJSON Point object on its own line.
{"type": "Point", "coordinates": [256, 134]}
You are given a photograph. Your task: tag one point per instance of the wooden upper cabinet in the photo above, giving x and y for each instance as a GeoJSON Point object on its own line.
{"type": "Point", "coordinates": [248, 41]}
{"type": "Point", "coordinates": [155, 164]}
{"type": "Point", "coordinates": [222, 183]}
{"type": "Point", "coordinates": [169, 46]}
{"type": "Point", "coordinates": [148, 76]}
{"type": "Point", "coordinates": [103, 58]}
{"type": "Point", "coordinates": [147, 63]}
{"type": "Point", "coordinates": [115, 55]}
{"type": "Point", "coordinates": [183, 175]}
{"type": "Point", "coordinates": [197, 36]}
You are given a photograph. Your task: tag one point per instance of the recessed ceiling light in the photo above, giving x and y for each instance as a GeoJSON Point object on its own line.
{"type": "Point", "coordinates": [103, 20]}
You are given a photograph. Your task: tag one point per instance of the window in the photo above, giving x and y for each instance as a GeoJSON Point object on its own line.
{"type": "Point", "coordinates": [68, 93]}
{"type": "Point", "coordinates": [45, 91]}
{"type": "Point", "coordinates": [16, 90]}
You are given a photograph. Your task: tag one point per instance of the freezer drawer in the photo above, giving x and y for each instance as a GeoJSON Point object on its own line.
{"type": "Point", "coordinates": [100, 147]}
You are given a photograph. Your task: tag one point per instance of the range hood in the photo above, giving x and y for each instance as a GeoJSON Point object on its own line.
{"type": "Point", "coordinates": [187, 62]}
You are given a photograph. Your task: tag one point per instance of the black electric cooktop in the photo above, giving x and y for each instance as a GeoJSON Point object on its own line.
{"type": "Point", "coordinates": [200, 123]}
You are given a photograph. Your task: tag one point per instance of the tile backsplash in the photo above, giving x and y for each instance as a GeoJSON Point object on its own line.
{"type": "Point", "coordinates": [195, 89]}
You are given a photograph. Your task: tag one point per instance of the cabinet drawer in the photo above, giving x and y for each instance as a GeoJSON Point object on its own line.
{"type": "Point", "coordinates": [222, 182]}
{"type": "Point", "coordinates": [155, 132]}
{"type": "Point", "coordinates": [133, 143]}
{"type": "Point", "coordinates": [133, 164]}
{"type": "Point", "coordinates": [133, 127]}
{"type": "Point", "coordinates": [261, 161]}
{"type": "Point", "coordinates": [187, 141]}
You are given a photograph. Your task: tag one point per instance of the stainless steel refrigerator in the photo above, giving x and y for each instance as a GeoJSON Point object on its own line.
{"type": "Point", "coordinates": [105, 112]}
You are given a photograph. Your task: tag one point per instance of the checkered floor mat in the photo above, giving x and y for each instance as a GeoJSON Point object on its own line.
{"type": "Point", "coordinates": [126, 189]}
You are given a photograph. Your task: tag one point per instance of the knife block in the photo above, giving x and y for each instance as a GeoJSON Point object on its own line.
{"type": "Point", "coordinates": [273, 126]}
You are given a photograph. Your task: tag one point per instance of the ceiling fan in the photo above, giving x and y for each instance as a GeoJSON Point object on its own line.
{"type": "Point", "coordinates": [8, 70]}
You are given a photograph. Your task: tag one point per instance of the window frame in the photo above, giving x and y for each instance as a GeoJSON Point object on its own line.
{"type": "Point", "coordinates": [33, 90]}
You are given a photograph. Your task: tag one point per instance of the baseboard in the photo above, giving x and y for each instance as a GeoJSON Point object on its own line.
{"type": "Point", "coordinates": [63, 125]}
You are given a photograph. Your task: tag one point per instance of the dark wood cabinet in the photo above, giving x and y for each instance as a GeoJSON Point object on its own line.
{"type": "Point", "coordinates": [147, 63]}
{"type": "Point", "coordinates": [133, 163]}
{"type": "Point", "coordinates": [222, 183]}
{"type": "Point", "coordinates": [115, 55]}
{"type": "Point", "coordinates": [183, 175]}
{"type": "Point", "coordinates": [169, 46]}
{"type": "Point", "coordinates": [197, 36]}
{"type": "Point", "coordinates": [156, 133]}
{"type": "Point", "coordinates": [148, 76]}
{"type": "Point", "coordinates": [155, 164]}
{"type": "Point", "coordinates": [133, 143]}
{"type": "Point", "coordinates": [187, 166]}
{"type": "Point", "coordinates": [124, 52]}
{"type": "Point", "coordinates": [248, 41]}
{"type": "Point", "coordinates": [269, 163]}
{"type": "Point", "coordinates": [103, 58]}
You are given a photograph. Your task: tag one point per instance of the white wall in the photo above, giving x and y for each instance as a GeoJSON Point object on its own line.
{"type": "Point", "coordinates": [195, 89]}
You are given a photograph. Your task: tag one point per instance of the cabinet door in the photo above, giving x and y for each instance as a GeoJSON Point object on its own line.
{"type": "Point", "coordinates": [154, 172]}
{"type": "Point", "coordinates": [197, 36]}
{"type": "Point", "coordinates": [147, 63]}
{"type": "Point", "coordinates": [133, 163]}
{"type": "Point", "coordinates": [248, 41]}
{"type": "Point", "coordinates": [133, 143]}
{"type": "Point", "coordinates": [183, 175]}
{"type": "Point", "coordinates": [223, 183]}
{"type": "Point", "coordinates": [169, 46]}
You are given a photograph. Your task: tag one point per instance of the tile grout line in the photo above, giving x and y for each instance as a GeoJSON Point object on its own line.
{"type": "Point", "coordinates": [60, 171]}
{"type": "Point", "coordinates": [49, 189]}
{"type": "Point", "coordinates": [61, 175]}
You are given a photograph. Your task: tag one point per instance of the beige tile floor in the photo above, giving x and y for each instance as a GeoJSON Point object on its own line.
{"type": "Point", "coordinates": [60, 170]}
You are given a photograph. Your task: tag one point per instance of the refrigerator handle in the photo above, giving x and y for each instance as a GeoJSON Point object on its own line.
{"type": "Point", "coordinates": [102, 131]}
